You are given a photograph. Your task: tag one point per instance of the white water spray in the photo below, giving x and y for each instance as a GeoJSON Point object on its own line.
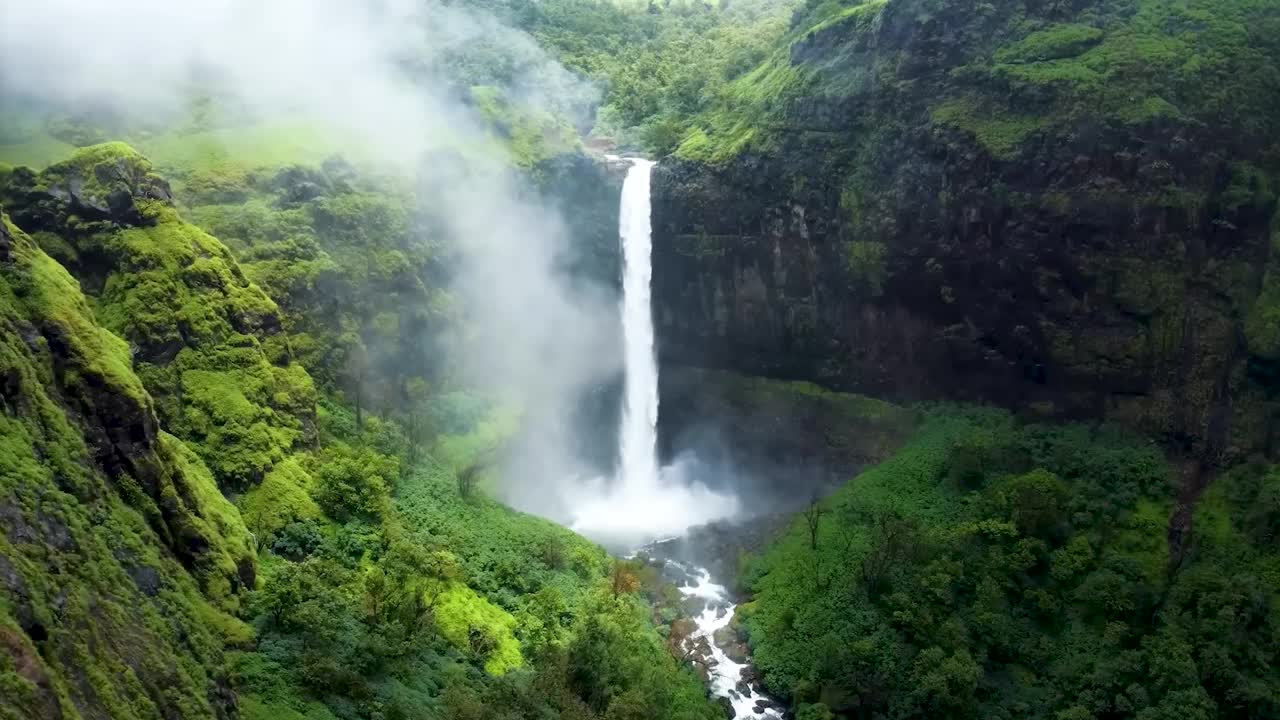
{"type": "Point", "coordinates": [644, 501]}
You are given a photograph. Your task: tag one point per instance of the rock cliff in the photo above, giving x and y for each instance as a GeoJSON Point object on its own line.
{"type": "Point", "coordinates": [941, 202]}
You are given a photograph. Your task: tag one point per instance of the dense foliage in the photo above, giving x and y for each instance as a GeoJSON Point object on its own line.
{"type": "Point", "coordinates": [357, 575]}
{"type": "Point", "coordinates": [993, 569]}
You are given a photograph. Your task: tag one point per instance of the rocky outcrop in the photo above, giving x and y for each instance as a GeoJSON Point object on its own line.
{"type": "Point", "coordinates": [107, 183]}
{"type": "Point", "coordinates": [1103, 308]}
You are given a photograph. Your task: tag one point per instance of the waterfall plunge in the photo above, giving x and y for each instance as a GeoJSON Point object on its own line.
{"type": "Point", "coordinates": [644, 501]}
{"type": "Point", "coordinates": [638, 434]}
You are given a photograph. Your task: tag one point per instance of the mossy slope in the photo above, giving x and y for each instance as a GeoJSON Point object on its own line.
{"type": "Point", "coordinates": [209, 343]}
{"type": "Point", "coordinates": [104, 516]}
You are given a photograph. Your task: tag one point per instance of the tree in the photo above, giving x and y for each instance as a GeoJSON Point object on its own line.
{"type": "Point", "coordinates": [812, 519]}
{"type": "Point", "coordinates": [416, 392]}
{"type": "Point", "coordinates": [624, 578]}
{"type": "Point", "coordinates": [469, 474]}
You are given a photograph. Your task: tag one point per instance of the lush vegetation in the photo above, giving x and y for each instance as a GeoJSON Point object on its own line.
{"type": "Point", "coordinates": [361, 571]}
{"type": "Point", "coordinates": [658, 64]}
{"type": "Point", "coordinates": [239, 478]}
{"type": "Point", "coordinates": [992, 569]}
{"type": "Point", "coordinates": [1000, 73]}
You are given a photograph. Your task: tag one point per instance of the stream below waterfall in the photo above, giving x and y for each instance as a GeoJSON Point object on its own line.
{"type": "Point", "coordinates": [726, 677]}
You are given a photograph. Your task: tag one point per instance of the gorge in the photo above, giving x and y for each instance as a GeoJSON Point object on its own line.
{"type": "Point", "coordinates": [613, 360]}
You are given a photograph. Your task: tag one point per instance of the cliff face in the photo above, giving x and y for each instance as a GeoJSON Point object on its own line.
{"type": "Point", "coordinates": [932, 218]}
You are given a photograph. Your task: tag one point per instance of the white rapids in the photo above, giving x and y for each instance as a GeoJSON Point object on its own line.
{"type": "Point", "coordinates": [725, 674]}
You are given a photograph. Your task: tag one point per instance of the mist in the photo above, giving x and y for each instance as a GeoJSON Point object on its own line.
{"type": "Point", "coordinates": [381, 77]}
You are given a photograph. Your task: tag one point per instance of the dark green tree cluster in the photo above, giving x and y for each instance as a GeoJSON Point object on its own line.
{"type": "Point", "coordinates": [993, 570]}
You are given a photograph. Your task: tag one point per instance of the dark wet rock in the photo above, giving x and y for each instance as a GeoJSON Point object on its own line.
{"type": "Point", "coordinates": [764, 704]}
{"type": "Point", "coordinates": [727, 706]}
{"type": "Point", "coordinates": [55, 533]}
{"type": "Point", "coordinates": [108, 183]}
{"type": "Point", "coordinates": [775, 443]}
{"type": "Point", "coordinates": [692, 606]}
{"type": "Point", "coordinates": [727, 640]}
{"type": "Point", "coordinates": [146, 579]}
{"type": "Point", "coordinates": [718, 547]}
{"type": "Point", "coordinates": [25, 661]}
{"type": "Point", "coordinates": [16, 527]}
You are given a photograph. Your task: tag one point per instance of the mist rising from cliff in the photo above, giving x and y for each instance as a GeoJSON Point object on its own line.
{"type": "Point", "coordinates": [384, 76]}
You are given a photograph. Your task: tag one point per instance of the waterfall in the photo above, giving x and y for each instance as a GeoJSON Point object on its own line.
{"type": "Point", "coordinates": [642, 501]}
{"type": "Point", "coordinates": [638, 433]}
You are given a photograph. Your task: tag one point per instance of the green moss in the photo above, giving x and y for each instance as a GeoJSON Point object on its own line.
{"type": "Point", "coordinates": [526, 134]}
{"type": "Point", "coordinates": [745, 111]}
{"type": "Point", "coordinates": [178, 285]}
{"type": "Point", "coordinates": [195, 322]}
{"type": "Point", "coordinates": [54, 296]}
{"type": "Point", "coordinates": [119, 621]}
{"type": "Point", "coordinates": [1149, 109]}
{"type": "Point", "coordinates": [477, 627]}
{"type": "Point", "coordinates": [865, 263]}
{"type": "Point", "coordinates": [214, 521]}
{"type": "Point", "coordinates": [1053, 43]}
{"type": "Point", "coordinates": [1000, 132]}
{"type": "Point", "coordinates": [239, 438]}
{"type": "Point", "coordinates": [1262, 323]}
{"type": "Point", "coordinates": [253, 708]}
{"type": "Point", "coordinates": [281, 498]}
{"type": "Point", "coordinates": [858, 16]}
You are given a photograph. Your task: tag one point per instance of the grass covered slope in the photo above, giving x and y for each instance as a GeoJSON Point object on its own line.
{"type": "Point", "coordinates": [110, 529]}
{"type": "Point", "coordinates": [993, 569]}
